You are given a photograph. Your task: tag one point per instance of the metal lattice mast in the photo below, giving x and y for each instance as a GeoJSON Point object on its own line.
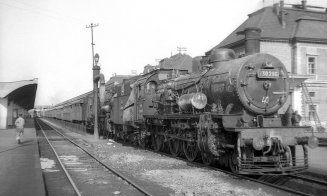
{"type": "Point", "coordinates": [310, 102]}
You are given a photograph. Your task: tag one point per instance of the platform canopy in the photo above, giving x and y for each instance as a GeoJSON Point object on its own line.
{"type": "Point", "coordinates": [20, 92]}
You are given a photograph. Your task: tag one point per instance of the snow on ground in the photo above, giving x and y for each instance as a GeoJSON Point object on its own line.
{"type": "Point", "coordinates": [48, 165]}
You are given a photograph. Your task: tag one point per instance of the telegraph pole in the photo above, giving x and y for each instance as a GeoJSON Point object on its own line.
{"type": "Point", "coordinates": [96, 72]}
{"type": "Point", "coordinates": [92, 26]}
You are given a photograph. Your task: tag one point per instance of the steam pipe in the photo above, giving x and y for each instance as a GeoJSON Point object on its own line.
{"type": "Point", "coordinates": [102, 88]}
{"type": "Point", "coordinates": [99, 77]}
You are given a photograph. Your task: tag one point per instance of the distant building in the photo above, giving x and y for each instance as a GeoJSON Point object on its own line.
{"type": "Point", "coordinates": [117, 79]}
{"type": "Point", "coordinates": [178, 61]}
{"type": "Point", "coordinates": [148, 68]}
{"type": "Point", "coordinates": [16, 98]}
{"type": "Point", "coordinates": [297, 35]}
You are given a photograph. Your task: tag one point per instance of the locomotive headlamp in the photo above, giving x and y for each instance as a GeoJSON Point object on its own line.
{"type": "Point", "coordinates": [96, 59]}
{"type": "Point", "coordinates": [313, 142]}
{"type": "Point", "coordinates": [258, 143]}
{"type": "Point", "coordinates": [267, 64]}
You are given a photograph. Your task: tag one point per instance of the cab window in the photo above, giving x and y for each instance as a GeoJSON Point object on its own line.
{"type": "Point", "coordinates": [150, 87]}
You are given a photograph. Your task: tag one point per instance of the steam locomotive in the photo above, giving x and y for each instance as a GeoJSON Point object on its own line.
{"type": "Point", "coordinates": [227, 112]}
{"type": "Point", "coordinates": [230, 111]}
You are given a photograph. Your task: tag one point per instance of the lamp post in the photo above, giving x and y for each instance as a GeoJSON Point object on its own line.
{"type": "Point", "coordinates": [96, 72]}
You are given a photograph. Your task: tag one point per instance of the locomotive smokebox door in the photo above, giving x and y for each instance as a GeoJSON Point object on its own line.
{"type": "Point", "coordinates": [263, 84]}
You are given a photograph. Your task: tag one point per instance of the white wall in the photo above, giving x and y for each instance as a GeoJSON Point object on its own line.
{"type": "Point", "coordinates": [3, 112]}
{"type": "Point", "coordinates": [281, 50]}
{"type": "Point", "coordinates": [297, 100]}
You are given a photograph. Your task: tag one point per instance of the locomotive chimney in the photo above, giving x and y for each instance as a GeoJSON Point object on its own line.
{"type": "Point", "coordinates": [196, 64]}
{"type": "Point", "coordinates": [304, 4]}
{"type": "Point", "coordinates": [282, 14]}
{"type": "Point", "coordinates": [252, 40]}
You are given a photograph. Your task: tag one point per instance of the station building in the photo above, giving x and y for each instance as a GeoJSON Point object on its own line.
{"type": "Point", "coordinates": [16, 98]}
{"type": "Point", "coordinates": [297, 35]}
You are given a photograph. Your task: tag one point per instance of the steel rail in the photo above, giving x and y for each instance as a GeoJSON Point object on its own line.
{"type": "Point", "coordinates": [61, 164]}
{"type": "Point", "coordinates": [131, 182]}
{"type": "Point", "coordinates": [309, 179]}
{"type": "Point", "coordinates": [275, 186]}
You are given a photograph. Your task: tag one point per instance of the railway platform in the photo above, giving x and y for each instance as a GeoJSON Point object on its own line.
{"type": "Point", "coordinates": [20, 166]}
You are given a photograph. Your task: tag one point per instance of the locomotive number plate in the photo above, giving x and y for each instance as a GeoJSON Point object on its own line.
{"type": "Point", "coordinates": [268, 73]}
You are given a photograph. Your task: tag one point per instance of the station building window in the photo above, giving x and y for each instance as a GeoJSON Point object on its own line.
{"type": "Point", "coordinates": [312, 94]}
{"type": "Point", "coordinates": [312, 65]}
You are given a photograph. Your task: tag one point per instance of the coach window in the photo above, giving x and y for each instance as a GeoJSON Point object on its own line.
{"type": "Point", "coordinates": [150, 87]}
{"type": "Point", "coordinates": [312, 65]}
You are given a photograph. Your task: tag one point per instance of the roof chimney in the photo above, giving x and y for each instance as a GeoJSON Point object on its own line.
{"type": "Point", "coordinates": [282, 14]}
{"type": "Point", "coordinates": [304, 4]}
{"type": "Point", "coordinates": [276, 8]}
{"type": "Point", "coordinates": [252, 40]}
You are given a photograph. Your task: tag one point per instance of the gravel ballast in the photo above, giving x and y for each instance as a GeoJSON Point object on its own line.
{"type": "Point", "coordinates": [162, 175]}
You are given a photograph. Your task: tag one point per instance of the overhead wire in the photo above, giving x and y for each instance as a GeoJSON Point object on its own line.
{"type": "Point", "coordinates": [45, 12]}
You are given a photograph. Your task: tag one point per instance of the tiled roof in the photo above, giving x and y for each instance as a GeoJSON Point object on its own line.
{"type": "Point", "coordinates": [118, 78]}
{"type": "Point", "coordinates": [299, 23]}
{"type": "Point", "coordinates": [177, 61]}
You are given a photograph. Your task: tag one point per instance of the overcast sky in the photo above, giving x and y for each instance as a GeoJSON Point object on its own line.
{"type": "Point", "coordinates": [48, 39]}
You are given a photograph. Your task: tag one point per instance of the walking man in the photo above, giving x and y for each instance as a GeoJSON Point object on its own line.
{"type": "Point", "coordinates": [19, 127]}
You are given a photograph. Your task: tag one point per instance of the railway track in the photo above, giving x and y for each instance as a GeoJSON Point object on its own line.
{"type": "Point", "coordinates": [85, 172]}
{"type": "Point", "coordinates": [295, 184]}
{"type": "Point", "coordinates": [322, 142]}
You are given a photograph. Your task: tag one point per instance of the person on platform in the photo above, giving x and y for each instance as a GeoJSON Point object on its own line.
{"type": "Point", "coordinates": [20, 122]}
{"type": "Point", "coordinates": [296, 119]}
